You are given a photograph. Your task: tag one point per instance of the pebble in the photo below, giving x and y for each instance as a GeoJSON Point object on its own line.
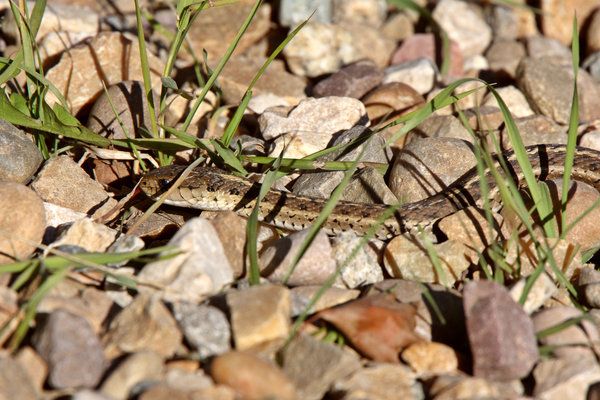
{"type": "Point", "coordinates": [536, 129]}
{"type": "Point", "coordinates": [72, 350]}
{"type": "Point", "coordinates": [546, 47]}
{"type": "Point", "coordinates": [137, 368]}
{"type": "Point", "coordinates": [542, 290]}
{"type": "Point", "coordinates": [353, 80]}
{"type": "Point", "coordinates": [301, 296]}
{"type": "Point", "coordinates": [145, 324]}
{"type": "Point", "coordinates": [420, 74]}
{"type": "Point", "coordinates": [231, 229]}
{"type": "Point", "coordinates": [430, 358]}
{"type": "Point", "coordinates": [512, 22]}
{"type": "Point", "coordinates": [22, 221]}
{"type": "Point", "coordinates": [363, 12]}
{"type": "Point", "coordinates": [293, 12]}
{"type": "Point", "coordinates": [501, 335]}
{"type": "Point", "coordinates": [424, 45]}
{"type": "Point", "coordinates": [593, 32]}
{"type": "Point", "coordinates": [557, 17]}
{"type": "Point", "coordinates": [514, 99]}
{"type": "Point", "coordinates": [382, 382]}
{"type": "Point", "coordinates": [592, 65]}
{"type": "Point", "coordinates": [251, 377]}
{"type": "Point", "coordinates": [20, 158]}
{"type": "Point", "coordinates": [363, 269]}
{"type": "Point", "coordinates": [62, 182]}
{"type": "Point", "coordinates": [200, 269]}
{"type": "Point", "coordinates": [504, 56]}
{"type": "Point", "coordinates": [470, 227]}
{"type": "Point", "coordinates": [452, 387]}
{"type": "Point", "coordinates": [81, 72]}
{"type": "Point", "coordinates": [15, 383]}
{"type": "Point", "coordinates": [368, 186]}
{"type": "Point", "coordinates": [390, 100]}
{"type": "Point", "coordinates": [259, 314]}
{"type": "Point", "coordinates": [442, 126]}
{"type": "Point", "coordinates": [484, 118]}
{"type": "Point", "coordinates": [583, 333]}
{"type": "Point", "coordinates": [564, 378]}
{"type": "Point", "coordinates": [34, 365]}
{"type": "Point", "coordinates": [205, 327]}
{"type": "Point", "coordinates": [464, 24]}
{"type": "Point", "coordinates": [314, 268]}
{"type": "Point", "coordinates": [314, 365]}
{"type": "Point", "coordinates": [426, 166]}
{"type": "Point", "coordinates": [86, 235]}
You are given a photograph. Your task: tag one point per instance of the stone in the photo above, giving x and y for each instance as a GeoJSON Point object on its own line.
{"type": "Point", "coordinates": [470, 227]}
{"type": "Point", "coordinates": [420, 74]}
{"type": "Point", "coordinates": [451, 387]}
{"type": "Point", "coordinates": [430, 358]}
{"type": "Point", "coordinates": [19, 156]}
{"type": "Point", "coordinates": [231, 229]}
{"type": "Point", "coordinates": [428, 165]}
{"type": "Point", "coordinates": [512, 22]}
{"type": "Point", "coordinates": [542, 289]}
{"type": "Point", "coordinates": [536, 129]}
{"type": "Point", "coordinates": [62, 182]}
{"type": "Point", "coordinates": [549, 88]}
{"type": "Point", "coordinates": [513, 98]}
{"type": "Point", "coordinates": [135, 369]}
{"type": "Point", "coordinates": [362, 269]}
{"type": "Point", "coordinates": [381, 381]}
{"type": "Point", "coordinates": [200, 269]}
{"type": "Point", "coordinates": [83, 69]}
{"type": "Point", "coordinates": [303, 296]}
{"type": "Point", "coordinates": [34, 365]}
{"type": "Point", "coordinates": [364, 12]}
{"type": "Point", "coordinates": [583, 334]}
{"type": "Point", "coordinates": [398, 26]}
{"type": "Point", "coordinates": [86, 235]}
{"type": "Point", "coordinates": [15, 383]}
{"type": "Point", "coordinates": [22, 221]}
{"type": "Point", "coordinates": [557, 17]}
{"type": "Point", "coordinates": [442, 126]}
{"type": "Point", "coordinates": [293, 12]}
{"type": "Point", "coordinates": [128, 100]}
{"type": "Point", "coordinates": [144, 325]}
{"type": "Point", "coordinates": [368, 186]}
{"type": "Point", "coordinates": [504, 56]}
{"type": "Point", "coordinates": [545, 47]}
{"type": "Point", "coordinates": [353, 80]}
{"type": "Point", "coordinates": [314, 365]}
{"type": "Point", "coordinates": [205, 327]}
{"type": "Point", "coordinates": [501, 335]}
{"type": "Point", "coordinates": [406, 258]}
{"type": "Point", "coordinates": [464, 25]}
{"type": "Point", "coordinates": [314, 268]}
{"type": "Point", "coordinates": [423, 45]}
{"type": "Point", "coordinates": [251, 377]}
{"type": "Point", "coordinates": [390, 100]}
{"type": "Point", "coordinates": [564, 378]}
{"type": "Point", "coordinates": [259, 314]}
{"type": "Point", "coordinates": [72, 350]}
{"type": "Point", "coordinates": [592, 65]}
{"type": "Point", "coordinates": [484, 118]}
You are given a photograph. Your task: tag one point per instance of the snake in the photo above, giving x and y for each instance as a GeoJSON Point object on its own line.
{"type": "Point", "coordinates": [210, 188]}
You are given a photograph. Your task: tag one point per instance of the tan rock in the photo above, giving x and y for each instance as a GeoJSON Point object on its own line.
{"type": "Point", "coordinates": [430, 358]}
{"type": "Point", "coordinates": [557, 17]}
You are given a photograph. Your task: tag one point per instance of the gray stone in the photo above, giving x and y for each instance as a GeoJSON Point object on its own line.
{"type": "Point", "coordinates": [382, 382]}
{"type": "Point", "coordinates": [293, 12]}
{"type": "Point", "coordinates": [72, 350]}
{"type": "Point", "coordinates": [364, 12]}
{"type": "Point", "coordinates": [301, 296]}
{"type": "Point", "coordinates": [501, 335]}
{"type": "Point", "coordinates": [363, 269]}
{"type": "Point", "coordinates": [420, 74]}
{"type": "Point", "coordinates": [368, 186]}
{"type": "Point", "coordinates": [592, 65]}
{"type": "Point", "coordinates": [566, 378]}
{"type": "Point", "coordinates": [513, 98]}
{"type": "Point", "coordinates": [19, 156]}
{"type": "Point", "coordinates": [504, 56]}
{"type": "Point", "coordinates": [442, 126]}
{"type": "Point", "coordinates": [541, 47]}
{"type": "Point", "coordinates": [536, 129]}
{"type": "Point", "coordinates": [353, 80]}
{"type": "Point", "coordinates": [205, 327]}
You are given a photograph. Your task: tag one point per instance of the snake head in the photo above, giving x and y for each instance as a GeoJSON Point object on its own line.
{"type": "Point", "coordinates": [157, 181]}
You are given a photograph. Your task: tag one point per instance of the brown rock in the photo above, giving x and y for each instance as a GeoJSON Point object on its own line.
{"type": "Point", "coordinates": [390, 100]}
{"type": "Point", "coordinates": [251, 377]}
{"type": "Point", "coordinates": [430, 358]}
{"type": "Point", "coordinates": [504, 57]}
{"type": "Point", "coordinates": [382, 382]}
{"type": "Point", "coordinates": [133, 370]}
{"type": "Point", "coordinates": [471, 228]}
{"type": "Point", "coordinates": [231, 229]}
{"type": "Point", "coordinates": [501, 335]}
{"type": "Point", "coordinates": [353, 80]}
{"type": "Point", "coordinates": [22, 221]}
{"type": "Point", "coordinates": [34, 364]}
{"type": "Point", "coordinates": [593, 32]}
{"type": "Point", "coordinates": [14, 381]}
{"type": "Point", "coordinates": [557, 17]}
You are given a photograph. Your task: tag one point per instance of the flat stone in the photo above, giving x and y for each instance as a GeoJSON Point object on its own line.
{"type": "Point", "coordinates": [145, 324]}
{"type": "Point", "coordinates": [82, 70]}
{"type": "Point", "coordinates": [430, 358]}
{"type": "Point", "coordinates": [363, 269]}
{"type": "Point", "coordinates": [19, 156]}
{"type": "Point", "coordinates": [390, 100]}
{"type": "Point", "coordinates": [205, 327]}
{"type": "Point", "coordinates": [451, 387]}
{"type": "Point", "coordinates": [423, 45]}
{"type": "Point", "coordinates": [14, 381]}
{"type": "Point", "coordinates": [85, 234]}
{"type": "Point", "coordinates": [301, 296]}
{"type": "Point", "coordinates": [442, 126]}
{"type": "Point", "coordinates": [61, 181]}
{"type": "Point", "coordinates": [293, 12]}
{"type": "Point", "coordinates": [135, 369]}
{"type": "Point", "coordinates": [420, 74]}
{"type": "Point", "coordinates": [502, 337]}
{"type": "Point", "coordinates": [314, 365]}
{"type": "Point", "coordinates": [564, 378]}
{"type": "Point", "coordinates": [22, 221]}
{"type": "Point", "coordinates": [542, 46]}
{"type": "Point", "coordinates": [513, 98]}
{"type": "Point", "coordinates": [504, 56]}
{"type": "Point", "coordinates": [583, 334]}
{"type": "Point", "coordinates": [231, 229]}
{"type": "Point", "coordinates": [259, 314]}
{"type": "Point", "coordinates": [353, 80]}
{"type": "Point", "coordinates": [470, 227]}
{"type": "Point", "coordinates": [536, 129]}
{"type": "Point", "coordinates": [366, 12]}
{"type": "Point", "coordinates": [512, 22]}
{"type": "Point", "coordinates": [368, 186]}
{"type": "Point", "coordinates": [399, 26]}
{"type": "Point", "coordinates": [200, 270]}
{"type": "Point", "coordinates": [252, 377]}
{"type": "Point", "coordinates": [72, 350]}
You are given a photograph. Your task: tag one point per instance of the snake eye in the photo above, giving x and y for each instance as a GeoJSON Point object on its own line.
{"type": "Point", "coordinates": [164, 182]}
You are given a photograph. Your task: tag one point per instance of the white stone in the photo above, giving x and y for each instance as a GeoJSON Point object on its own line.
{"type": "Point", "coordinates": [420, 74]}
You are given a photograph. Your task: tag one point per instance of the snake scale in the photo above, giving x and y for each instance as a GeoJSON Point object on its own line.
{"type": "Point", "coordinates": [209, 188]}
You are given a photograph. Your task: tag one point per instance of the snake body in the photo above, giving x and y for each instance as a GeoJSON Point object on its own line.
{"type": "Point", "coordinates": [208, 188]}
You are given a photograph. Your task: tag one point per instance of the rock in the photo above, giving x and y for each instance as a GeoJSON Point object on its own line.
{"type": "Point", "coordinates": [513, 98]}
{"type": "Point", "coordinates": [592, 65]}
{"type": "Point", "coordinates": [451, 387]}
{"type": "Point", "coordinates": [423, 45]}
{"type": "Point", "coordinates": [217, 27]}
{"type": "Point", "coordinates": [81, 71]}
{"type": "Point", "coordinates": [314, 365]}
{"type": "Point", "coordinates": [22, 221]}
{"type": "Point", "coordinates": [484, 118]}
{"type": "Point", "coordinates": [504, 56]}
{"type": "Point", "coordinates": [302, 296]}
{"type": "Point", "coordinates": [420, 74]}
{"type": "Point", "coordinates": [136, 369]}
{"type": "Point", "coordinates": [408, 259]}
{"type": "Point", "coordinates": [61, 181]}
{"type": "Point", "coordinates": [362, 269]}
{"type": "Point", "coordinates": [557, 17]}
{"type": "Point", "coordinates": [128, 100]}
{"type": "Point", "coordinates": [545, 47]}
{"type": "Point", "coordinates": [549, 88]}
{"type": "Point", "coordinates": [442, 126]}
{"type": "Point", "coordinates": [398, 26]}
{"type": "Point", "coordinates": [86, 235]}
{"type": "Point", "coordinates": [231, 229]}
{"type": "Point", "coordinates": [390, 100]}
{"type": "Point", "coordinates": [72, 350]}
{"type": "Point", "coordinates": [353, 80]}
{"type": "Point", "coordinates": [34, 365]}
{"type": "Point", "coordinates": [470, 227]}
{"type": "Point", "coordinates": [19, 156]}
{"type": "Point", "coordinates": [9, 307]}
{"type": "Point", "coordinates": [428, 165]}
{"type": "Point", "coordinates": [252, 377]}
{"type": "Point", "coordinates": [314, 268]}
{"type": "Point", "coordinates": [259, 314]}
{"type": "Point", "coordinates": [501, 335]}
{"type": "Point", "coordinates": [200, 270]}
{"type": "Point", "coordinates": [536, 129]}
{"type": "Point", "coordinates": [464, 24]}
{"type": "Point", "coordinates": [430, 358]}
{"type": "Point", "coordinates": [363, 12]}
{"type": "Point", "coordinates": [144, 325]}
{"type": "Point", "coordinates": [582, 334]}
{"type": "Point", "coordinates": [543, 288]}
{"type": "Point", "coordinates": [381, 381]}
{"type": "Point", "coordinates": [14, 381]}
{"type": "Point", "coordinates": [512, 22]}
{"type": "Point", "coordinates": [293, 12]}
{"type": "Point", "coordinates": [205, 327]}
{"type": "Point", "coordinates": [564, 378]}
{"type": "Point", "coordinates": [368, 186]}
